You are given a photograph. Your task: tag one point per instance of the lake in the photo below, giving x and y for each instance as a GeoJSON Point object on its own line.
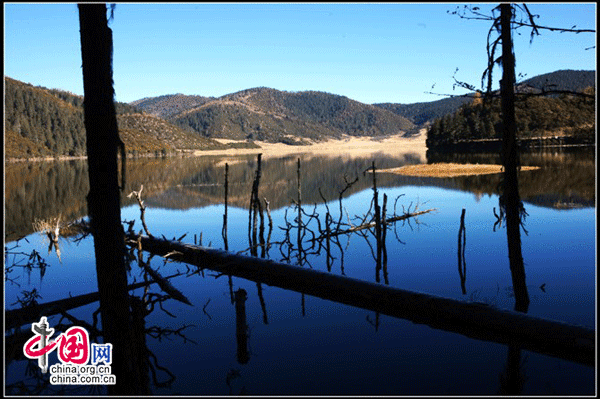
{"type": "Point", "coordinates": [297, 344]}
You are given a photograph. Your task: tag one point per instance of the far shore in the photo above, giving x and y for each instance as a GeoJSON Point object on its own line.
{"type": "Point", "coordinates": [348, 146]}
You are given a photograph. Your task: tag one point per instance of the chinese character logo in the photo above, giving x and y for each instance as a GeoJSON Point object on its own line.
{"type": "Point", "coordinates": [41, 332]}
{"type": "Point", "coordinates": [73, 346]}
{"type": "Point", "coordinates": [101, 353]}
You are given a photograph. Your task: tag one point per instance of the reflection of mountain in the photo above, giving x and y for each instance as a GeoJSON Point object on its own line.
{"type": "Point", "coordinates": [566, 180]}
{"type": "Point", "coordinates": [44, 190]}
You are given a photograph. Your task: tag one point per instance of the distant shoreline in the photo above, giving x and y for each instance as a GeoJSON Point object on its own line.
{"type": "Point", "coordinates": [347, 146]}
{"type": "Point", "coordinates": [351, 146]}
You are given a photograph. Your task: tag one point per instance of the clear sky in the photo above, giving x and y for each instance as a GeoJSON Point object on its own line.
{"type": "Point", "coordinates": [368, 52]}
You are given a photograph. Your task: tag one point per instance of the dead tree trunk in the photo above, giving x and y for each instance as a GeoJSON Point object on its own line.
{"type": "Point", "coordinates": [104, 202]}
{"type": "Point", "coordinates": [510, 160]}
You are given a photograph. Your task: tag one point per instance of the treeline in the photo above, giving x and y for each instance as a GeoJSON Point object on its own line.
{"type": "Point", "coordinates": [426, 112]}
{"type": "Point", "coordinates": [536, 116]}
{"type": "Point", "coordinates": [40, 122]}
{"type": "Point", "coordinates": [567, 80]}
{"type": "Point", "coordinates": [45, 122]}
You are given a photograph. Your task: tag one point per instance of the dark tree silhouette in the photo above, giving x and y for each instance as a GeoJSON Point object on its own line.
{"type": "Point", "coordinates": [510, 199]}
{"type": "Point", "coordinates": [510, 202]}
{"type": "Point", "coordinates": [104, 197]}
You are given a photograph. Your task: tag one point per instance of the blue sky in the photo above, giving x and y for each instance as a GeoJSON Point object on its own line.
{"type": "Point", "coordinates": [368, 52]}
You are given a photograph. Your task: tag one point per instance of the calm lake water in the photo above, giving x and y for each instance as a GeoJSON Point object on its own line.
{"type": "Point", "coordinates": [299, 344]}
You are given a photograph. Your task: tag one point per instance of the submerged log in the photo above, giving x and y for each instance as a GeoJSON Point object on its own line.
{"type": "Point", "coordinates": [17, 317]}
{"type": "Point", "coordinates": [474, 320]}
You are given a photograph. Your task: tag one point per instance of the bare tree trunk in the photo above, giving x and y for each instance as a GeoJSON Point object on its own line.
{"type": "Point", "coordinates": [510, 161]}
{"type": "Point", "coordinates": [104, 205]}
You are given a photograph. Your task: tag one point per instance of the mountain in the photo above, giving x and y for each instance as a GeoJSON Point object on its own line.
{"type": "Point", "coordinates": [41, 122]}
{"type": "Point", "coordinates": [170, 104]}
{"type": "Point", "coordinates": [425, 113]}
{"type": "Point", "coordinates": [276, 116]}
{"type": "Point", "coordinates": [422, 113]}
{"type": "Point", "coordinates": [566, 80]}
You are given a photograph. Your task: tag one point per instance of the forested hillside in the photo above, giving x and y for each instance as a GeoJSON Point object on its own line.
{"type": "Point", "coordinates": [40, 122]}
{"type": "Point", "coordinates": [427, 112]}
{"type": "Point", "coordinates": [279, 116]}
{"type": "Point", "coordinates": [536, 116]}
{"type": "Point", "coordinates": [566, 80]}
{"type": "Point", "coordinates": [37, 122]}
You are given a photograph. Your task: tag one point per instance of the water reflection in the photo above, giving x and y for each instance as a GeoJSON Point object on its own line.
{"type": "Point", "coordinates": [45, 190]}
{"type": "Point", "coordinates": [512, 378]}
{"type": "Point", "coordinates": [241, 327]}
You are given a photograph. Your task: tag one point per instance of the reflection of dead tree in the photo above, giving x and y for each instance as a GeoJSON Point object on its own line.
{"type": "Point", "coordinates": [51, 228]}
{"type": "Point", "coordinates": [478, 321]}
{"type": "Point", "coordinates": [140, 308]}
{"type": "Point", "coordinates": [268, 209]}
{"type": "Point", "coordinates": [164, 284]}
{"type": "Point", "coordinates": [32, 311]}
{"type": "Point", "coordinates": [243, 355]}
{"type": "Point", "coordinates": [254, 208]}
{"type": "Point", "coordinates": [138, 197]}
{"type": "Point", "coordinates": [315, 235]}
{"type": "Point", "coordinates": [224, 230]}
{"type": "Point", "coordinates": [256, 234]}
{"type": "Point", "coordinates": [28, 261]}
{"type": "Point", "coordinates": [462, 265]}
{"type": "Point", "coordinates": [256, 211]}
{"type": "Point", "coordinates": [299, 220]}
{"type": "Point", "coordinates": [370, 225]}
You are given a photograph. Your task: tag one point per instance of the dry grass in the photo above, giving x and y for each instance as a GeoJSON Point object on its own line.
{"type": "Point", "coordinates": [449, 169]}
{"type": "Point", "coordinates": [348, 146]}
{"type": "Point", "coordinates": [53, 228]}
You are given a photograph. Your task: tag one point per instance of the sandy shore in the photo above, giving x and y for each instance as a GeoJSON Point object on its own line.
{"type": "Point", "coordinates": [348, 146]}
{"type": "Point", "coordinates": [449, 170]}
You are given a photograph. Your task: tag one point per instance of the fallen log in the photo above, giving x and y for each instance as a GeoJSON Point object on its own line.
{"type": "Point", "coordinates": [18, 317]}
{"type": "Point", "coordinates": [474, 320]}
{"type": "Point", "coordinates": [372, 224]}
